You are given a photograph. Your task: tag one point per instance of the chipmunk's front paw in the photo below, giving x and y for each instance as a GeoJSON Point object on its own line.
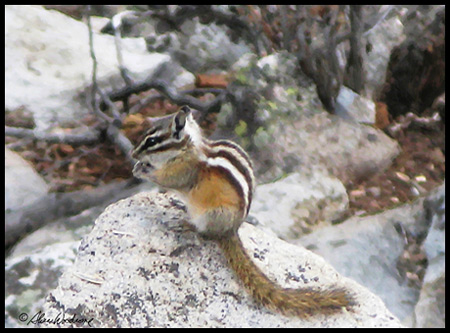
{"type": "Point", "coordinates": [182, 227]}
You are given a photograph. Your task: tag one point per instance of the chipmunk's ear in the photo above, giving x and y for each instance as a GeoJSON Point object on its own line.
{"type": "Point", "coordinates": [179, 121]}
{"type": "Point", "coordinates": [185, 109]}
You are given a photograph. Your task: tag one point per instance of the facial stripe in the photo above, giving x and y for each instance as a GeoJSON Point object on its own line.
{"type": "Point", "coordinates": [158, 139]}
{"type": "Point", "coordinates": [161, 142]}
{"type": "Point", "coordinates": [152, 130]}
{"type": "Point", "coordinates": [171, 144]}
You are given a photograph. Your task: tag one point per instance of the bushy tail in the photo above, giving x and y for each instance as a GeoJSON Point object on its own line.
{"type": "Point", "coordinates": [300, 302]}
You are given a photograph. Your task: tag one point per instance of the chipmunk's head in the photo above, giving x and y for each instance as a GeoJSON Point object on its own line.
{"type": "Point", "coordinates": [167, 138]}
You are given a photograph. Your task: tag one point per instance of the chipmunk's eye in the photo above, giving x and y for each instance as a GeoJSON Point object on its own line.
{"type": "Point", "coordinates": [151, 141]}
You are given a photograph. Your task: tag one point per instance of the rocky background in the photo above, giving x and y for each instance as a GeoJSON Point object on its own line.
{"type": "Point", "coordinates": [342, 109]}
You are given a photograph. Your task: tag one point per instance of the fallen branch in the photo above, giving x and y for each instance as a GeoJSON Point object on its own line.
{"type": "Point", "coordinates": [85, 138]}
{"type": "Point", "coordinates": [410, 119]}
{"type": "Point", "coordinates": [19, 223]}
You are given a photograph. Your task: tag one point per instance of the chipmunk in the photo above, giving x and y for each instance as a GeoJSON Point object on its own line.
{"type": "Point", "coordinates": [215, 179]}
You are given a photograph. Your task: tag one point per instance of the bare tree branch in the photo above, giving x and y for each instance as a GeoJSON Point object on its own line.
{"type": "Point", "coordinates": [113, 124]}
{"type": "Point", "coordinates": [367, 27]}
{"type": "Point", "coordinates": [157, 96]}
{"type": "Point", "coordinates": [116, 25]}
{"type": "Point", "coordinates": [320, 63]}
{"type": "Point", "coordinates": [95, 87]}
{"type": "Point", "coordinates": [354, 78]}
{"type": "Point", "coordinates": [170, 93]}
{"type": "Point", "coordinates": [384, 12]}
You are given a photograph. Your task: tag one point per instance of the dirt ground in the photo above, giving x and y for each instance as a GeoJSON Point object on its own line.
{"type": "Point", "coordinates": [419, 168]}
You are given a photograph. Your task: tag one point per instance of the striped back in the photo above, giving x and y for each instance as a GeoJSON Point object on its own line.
{"type": "Point", "coordinates": [234, 162]}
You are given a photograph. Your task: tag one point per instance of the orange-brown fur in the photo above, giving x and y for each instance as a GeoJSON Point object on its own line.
{"type": "Point", "coordinates": [211, 192]}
